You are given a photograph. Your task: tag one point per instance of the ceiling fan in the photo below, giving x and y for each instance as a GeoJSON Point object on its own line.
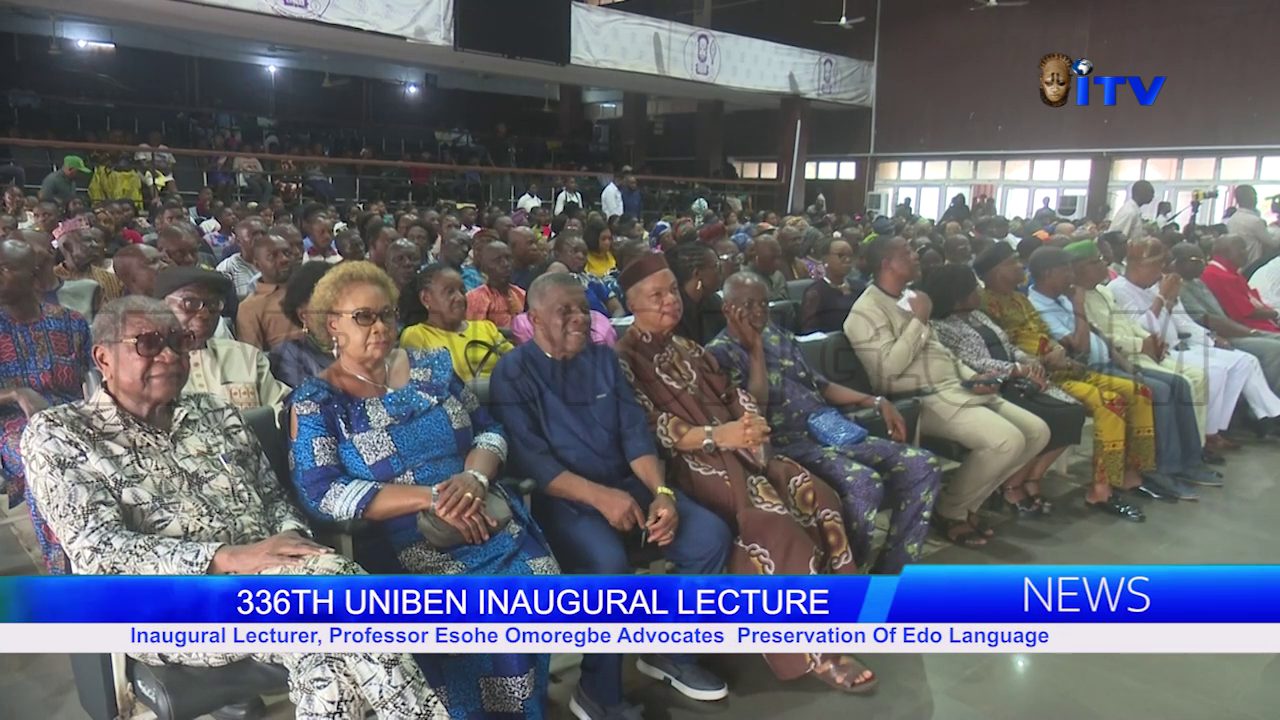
{"type": "Point", "coordinates": [845, 22]}
{"type": "Point", "coordinates": [995, 4]}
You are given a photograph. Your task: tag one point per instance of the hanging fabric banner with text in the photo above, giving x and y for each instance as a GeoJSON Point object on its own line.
{"type": "Point", "coordinates": [424, 21]}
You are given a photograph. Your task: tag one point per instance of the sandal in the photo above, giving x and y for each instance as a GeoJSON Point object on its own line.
{"type": "Point", "coordinates": [980, 526]}
{"type": "Point", "coordinates": [1046, 506]}
{"type": "Point", "coordinates": [1028, 505]}
{"type": "Point", "coordinates": [959, 532]}
{"type": "Point", "coordinates": [843, 673]}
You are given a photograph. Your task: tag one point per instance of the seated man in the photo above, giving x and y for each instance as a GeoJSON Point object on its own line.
{"type": "Point", "coordinates": [82, 250]}
{"type": "Point", "coordinates": [1203, 305]}
{"type": "Point", "coordinates": [1224, 278]}
{"type": "Point", "coordinates": [767, 362]}
{"type": "Point", "coordinates": [586, 442]}
{"type": "Point", "coordinates": [1266, 280]}
{"type": "Point", "coordinates": [901, 356]}
{"type": "Point", "coordinates": [764, 255]}
{"type": "Point", "coordinates": [234, 371]}
{"type": "Point", "coordinates": [1152, 297]}
{"type": "Point", "coordinates": [260, 322]}
{"type": "Point", "coordinates": [497, 301]}
{"type": "Point", "coordinates": [239, 266]}
{"type": "Point", "coordinates": [142, 480]}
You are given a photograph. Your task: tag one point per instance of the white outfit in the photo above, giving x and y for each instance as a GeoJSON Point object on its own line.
{"type": "Point", "coordinates": [528, 202]}
{"type": "Point", "coordinates": [611, 200]}
{"type": "Point", "coordinates": [1248, 224]}
{"type": "Point", "coordinates": [1266, 280]}
{"type": "Point", "coordinates": [567, 197]}
{"type": "Point", "coordinates": [1128, 220]}
{"type": "Point", "coordinates": [1231, 373]}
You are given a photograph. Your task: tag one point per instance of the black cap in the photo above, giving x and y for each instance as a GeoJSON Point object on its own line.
{"type": "Point", "coordinates": [991, 257]}
{"type": "Point", "coordinates": [177, 277]}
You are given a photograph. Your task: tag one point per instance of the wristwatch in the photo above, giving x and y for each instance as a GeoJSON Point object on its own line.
{"type": "Point", "coordinates": [708, 442]}
{"type": "Point", "coordinates": [479, 476]}
{"type": "Point", "coordinates": [664, 490]}
{"type": "Point", "coordinates": [878, 403]}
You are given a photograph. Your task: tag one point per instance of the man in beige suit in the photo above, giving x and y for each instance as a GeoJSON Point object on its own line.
{"type": "Point", "coordinates": [889, 330]}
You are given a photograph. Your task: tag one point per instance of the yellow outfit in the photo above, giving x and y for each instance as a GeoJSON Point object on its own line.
{"type": "Point", "coordinates": [465, 354]}
{"type": "Point", "coordinates": [1124, 426]}
{"type": "Point", "coordinates": [108, 184]}
{"type": "Point", "coordinates": [600, 264]}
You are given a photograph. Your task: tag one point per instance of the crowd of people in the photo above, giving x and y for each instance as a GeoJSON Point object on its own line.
{"type": "Point", "coordinates": [648, 379]}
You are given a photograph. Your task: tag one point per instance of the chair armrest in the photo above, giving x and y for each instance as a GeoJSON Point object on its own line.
{"type": "Point", "coordinates": [517, 486]}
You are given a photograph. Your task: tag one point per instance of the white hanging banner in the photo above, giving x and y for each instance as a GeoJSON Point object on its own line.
{"type": "Point", "coordinates": [424, 21]}
{"type": "Point", "coordinates": [615, 40]}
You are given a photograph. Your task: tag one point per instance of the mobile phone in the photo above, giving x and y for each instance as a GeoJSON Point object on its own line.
{"type": "Point", "coordinates": [979, 382]}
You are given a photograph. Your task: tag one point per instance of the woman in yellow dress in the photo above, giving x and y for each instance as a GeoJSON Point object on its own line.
{"type": "Point", "coordinates": [474, 345]}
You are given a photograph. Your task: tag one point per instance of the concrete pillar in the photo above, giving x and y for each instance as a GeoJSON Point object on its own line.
{"type": "Point", "coordinates": [793, 151]}
{"type": "Point", "coordinates": [1099, 178]}
{"type": "Point", "coordinates": [571, 111]}
{"type": "Point", "coordinates": [635, 128]}
{"type": "Point", "coordinates": [709, 155]}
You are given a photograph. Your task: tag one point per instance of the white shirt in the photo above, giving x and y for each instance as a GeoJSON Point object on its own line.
{"type": "Point", "coordinates": [566, 197]}
{"type": "Point", "coordinates": [1128, 220]}
{"type": "Point", "coordinates": [611, 200]}
{"type": "Point", "coordinates": [1248, 224]}
{"type": "Point", "coordinates": [1266, 280]}
{"type": "Point", "coordinates": [1136, 302]}
{"type": "Point", "coordinates": [528, 202]}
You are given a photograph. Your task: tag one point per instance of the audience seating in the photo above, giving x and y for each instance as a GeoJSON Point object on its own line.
{"type": "Point", "coordinates": [834, 358]}
{"type": "Point", "coordinates": [796, 288]}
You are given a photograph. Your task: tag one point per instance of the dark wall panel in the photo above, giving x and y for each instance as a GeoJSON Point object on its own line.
{"type": "Point", "coordinates": [953, 80]}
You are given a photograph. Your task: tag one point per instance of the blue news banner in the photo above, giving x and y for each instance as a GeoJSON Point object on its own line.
{"type": "Point", "coordinates": [926, 609]}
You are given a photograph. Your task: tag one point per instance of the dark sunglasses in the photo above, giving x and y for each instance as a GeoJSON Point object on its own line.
{"type": "Point", "coordinates": [151, 344]}
{"type": "Point", "coordinates": [194, 305]}
{"type": "Point", "coordinates": [365, 317]}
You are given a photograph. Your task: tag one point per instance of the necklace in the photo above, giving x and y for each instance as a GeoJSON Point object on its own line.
{"type": "Point", "coordinates": [362, 378]}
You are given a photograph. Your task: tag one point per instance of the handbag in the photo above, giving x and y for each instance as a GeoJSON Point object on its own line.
{"type": "Point", "coordinates": [830, 427]}
{"type": "Point", "coordinates": [1021, 386]}
{"type": "Point", "coordinates": [443, 536]}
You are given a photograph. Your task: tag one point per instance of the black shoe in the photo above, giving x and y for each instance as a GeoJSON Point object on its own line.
{"type": "Point", "coordinates": [1156, 487]}
{"type": "Point", "coordinates": [1212, 458]}
{"type": "Point", "coordinates": [1119, 508]}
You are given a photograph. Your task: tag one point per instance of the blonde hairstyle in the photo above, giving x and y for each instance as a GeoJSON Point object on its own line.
{"type": "Point", "coordinates": [334, 284]}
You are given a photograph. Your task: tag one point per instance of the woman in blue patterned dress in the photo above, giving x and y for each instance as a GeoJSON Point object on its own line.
{"type": "Point", "coordinates": [385, 435]}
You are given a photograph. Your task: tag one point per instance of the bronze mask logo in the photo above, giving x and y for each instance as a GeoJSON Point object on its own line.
{"type": "Point", "coordinates": [1055, 79]}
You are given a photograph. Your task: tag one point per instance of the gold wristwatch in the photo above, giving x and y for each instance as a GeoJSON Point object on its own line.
{"type": "Point", "coordinates": [664, 490]}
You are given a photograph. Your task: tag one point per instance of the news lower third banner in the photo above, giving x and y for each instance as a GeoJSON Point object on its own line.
{"type": "Point", "coordinates": [927, 609]}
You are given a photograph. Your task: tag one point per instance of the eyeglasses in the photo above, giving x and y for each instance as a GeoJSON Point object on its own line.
{"type": "Point", "coordinates": [151, 344]}
{"type": "Point", "coordinates": [730, 257]}
{"type": "Point", "coordinates": [365, 317]}
{"type": "Point", "coordinates": [193, 305]}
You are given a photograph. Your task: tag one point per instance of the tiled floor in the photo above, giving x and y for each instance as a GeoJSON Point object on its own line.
{"type": "Point", "coordinates": [1235, 524]}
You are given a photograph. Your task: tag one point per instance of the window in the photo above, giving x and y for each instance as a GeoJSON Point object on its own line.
{"type": "Point", "coordinates": [1161, 169]}
{"type": "Point", "coordinates": [811, 170]}
{"type": "Point", "coordinates": [1071, 203]}
{"type": "Point", "coordinates": [769, 171]}
{"type": "Point", "coordinates": [1200, 168]}
{"type": "Point", "coordinates": [848, 170]}
{"type": "Point", "coordinates": [962, 170]}
{"type": "Point", "coordinates": [903, 194]}
{"type": "Point", "coordinates": [1078, 170]}
{"type": "Point", "coordinates": [930, 198]}
{"type": "Point", "coordinates": [1042, 194]}
{"type": "Point", "coordinates": [955, 190]}
{"type": "Point", "coordinates": [988, 169]}
{"type": "Point", "coordinates": [912, 170]}
{"type": "Point", "coordinates": [1270, 168]}
{"type": "Point", "coordinates": [1118, 197]}
{"type": "Point", "coordinates": [1017, 170]}
{"type": "Point", "coordinates": [935, 170]}
{"type": "Point", "coordinates": [886, 170]}
{"type": "Point", "coordinates": [751, 171]}
{"type": "Point", "coordinates": [1042, 170]}
{"type": "Point", "coordinates": [1015, 202]}
{"type": "Point", "coordinates": [827, 170]}
{"type": "Point", "coordinates": [1127, 170]}
{"type": "Point", "coordinates": [1238, 168]}
{"type": "Point", "coordinates": [738, 166]}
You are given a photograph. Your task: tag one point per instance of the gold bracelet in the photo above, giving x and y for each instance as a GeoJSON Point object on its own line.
{"type": "Point", "coordinates": [664, 490]}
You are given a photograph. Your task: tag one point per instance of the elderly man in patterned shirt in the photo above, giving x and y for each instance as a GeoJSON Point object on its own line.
{"type": "Point", "coordinates": [141, 479]}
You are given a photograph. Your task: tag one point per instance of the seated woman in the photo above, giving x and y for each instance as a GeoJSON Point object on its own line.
{"type": "Point", "coordinates": [787, 522]}
{"type": "Point", "coordinates": [982, 345]}
{"type": "Point", "coordinates": [293, 361]}
{"type": "Point", "coordinates": [234, 371]}
{"type": "Point", "coordinates": [387, 435]}
{"type": "Point", "coordinates": [697, 271]}
{"type": "Point", "coordinates": [827, 302]}
{"type": "Point", "coordinates": [474, 345]}
{"type": "Point", "coordinates": [599, 239]}
{"type": "Point", "coordinates": [47, 361]}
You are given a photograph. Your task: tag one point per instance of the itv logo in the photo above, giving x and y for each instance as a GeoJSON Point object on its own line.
{"type": "Point", "coordinates": [1057, 70]}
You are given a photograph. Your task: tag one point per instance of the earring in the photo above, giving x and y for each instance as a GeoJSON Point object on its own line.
{"type": "Point", "coordinates": [699, 285]}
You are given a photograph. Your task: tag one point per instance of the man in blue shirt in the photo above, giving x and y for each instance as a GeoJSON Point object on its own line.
{"type": "Point", "coordinates": [587, 444]}
{"type": "Point", "coordinates": [632, 203]}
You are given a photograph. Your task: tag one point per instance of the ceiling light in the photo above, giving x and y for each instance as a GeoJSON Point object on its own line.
{"type": "Point", "coordinates": [271, 69]}
{"type": "Point", "coordinates": [411, 89]}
